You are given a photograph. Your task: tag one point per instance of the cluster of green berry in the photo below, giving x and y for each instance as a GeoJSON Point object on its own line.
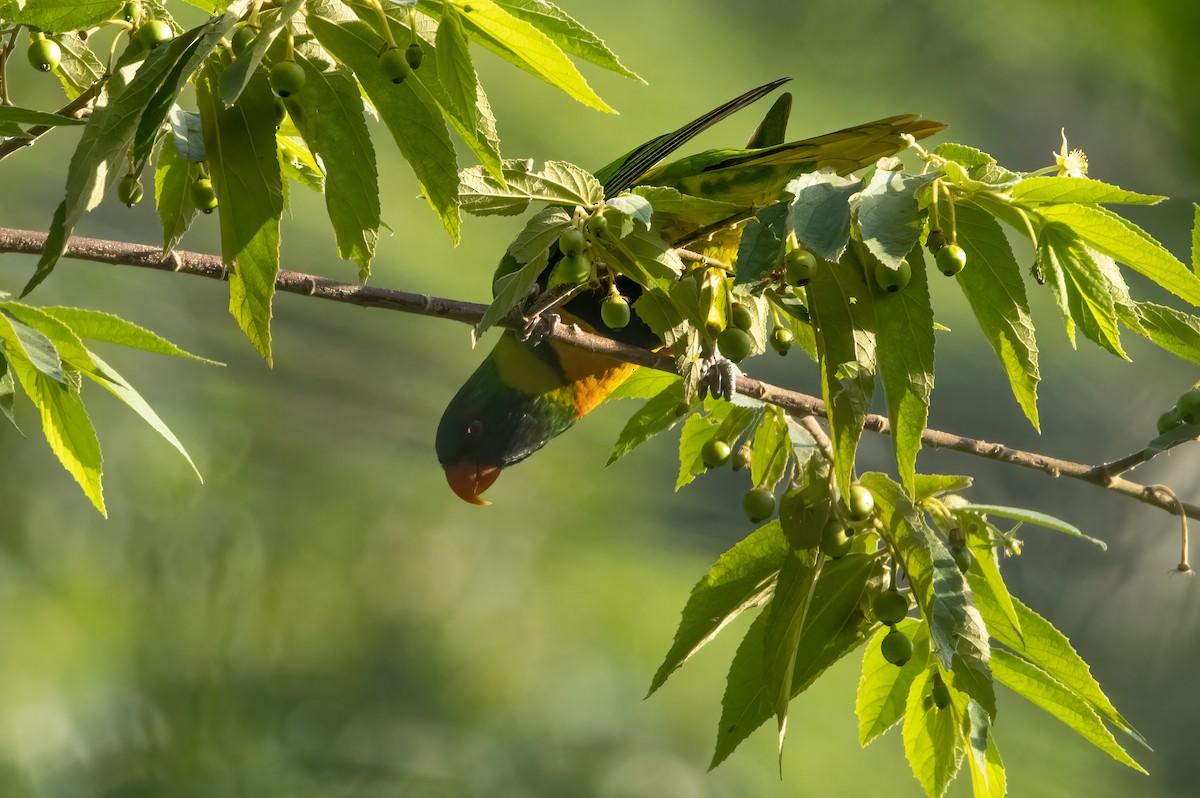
{"type": "Point", "coordinates": [46, 54]}
{"type": "Point", "coordinates": [1185, 411]}
{"type": "Point", "coordinates": [576, 244]}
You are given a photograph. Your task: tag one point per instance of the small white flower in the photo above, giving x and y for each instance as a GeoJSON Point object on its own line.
{"type": "Point", "coordinates": [1070, 163]}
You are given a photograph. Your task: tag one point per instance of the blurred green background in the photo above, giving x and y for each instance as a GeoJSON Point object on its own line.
{"type": "Point", "coordinates": [324, 618]}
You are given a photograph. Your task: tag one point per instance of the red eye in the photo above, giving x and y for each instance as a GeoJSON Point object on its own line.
{"type": "Point", "coordinates": [474, 428]}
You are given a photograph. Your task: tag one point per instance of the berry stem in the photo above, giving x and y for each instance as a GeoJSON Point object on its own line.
{"type": "Point", "coordinates": [935, 221]}
{"type": "Point", "coordinates": [385, 23]}
{"type": "Point", "coordinates": [5, 52]}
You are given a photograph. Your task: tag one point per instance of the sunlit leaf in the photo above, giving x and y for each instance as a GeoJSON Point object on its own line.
{"type": "Point", "coordinates": [882, 687]}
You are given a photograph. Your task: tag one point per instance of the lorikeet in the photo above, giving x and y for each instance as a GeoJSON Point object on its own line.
{"type": "Point", "coordinates": [524, 393]}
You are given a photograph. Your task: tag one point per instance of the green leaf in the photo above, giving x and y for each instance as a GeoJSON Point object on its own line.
{"type": "Point", "coordinates": [633, 208]}
{"type": "Point", "coordinates": [762, 244]}
{"type": "Point", "coordinates": [741, 579]}
{"type": "Point", "coordinates": [1044, 691]}
{"type": "Point", "coordinates": [1129, 244]}
{"type": "Point", "coordinates": [539, 234]}
{"type": "Point", "coordinates": [106, 140]}
{"type": "Point", "coordinates": [79, 68]}
{"type": "Point", "coordinates": [173, 194]}
{"type": "Point", "coordinates": [568, 34]}
{"type": "Point", "coordinates": [188, 133]}
{"type": "Point", "coordinates": [520, 43]}
{"type": "Point", "coordinates": [820, 212]}
{"type": "Point", "coordinates": [835, 626]}
{"type": "Point", "coordinates": [120, 388]}
{"type": "Point", "coordinates": [1088, 299]}
{"type": "Point", "coordinates": [1057, 190]}
{"type": "Point", "coordinates": [1173, 330]}
{"type": "Point", "coordinates": [60, 16]}
{"type": "Point", "coordinates": [338, 135]}
{"type": "Point", "coordinates": [1196, 238]}
{"type": "Point", "coordinates": [7, 389]}
{"type": "Point", "coordinates": [904, 344]}
{"type": "Point", "coordinates": [927, 485]}
{"type": "Point", "coordinates": [934, 742]}
{"type": "Point", "coordinates": [991, 596]}
{"type": "Point", "coordinates": [510, 290]}
{"type": "Point", "coordinates": [65, 424]}
{"type": "Point", "coordinates": [244, 166]}
{"type": "Point", "coordinates": [460, 94]}
{"type": "Point", "coordinates": [644, 383]}
{"type": "Point", "coordinates": [973, 680]}
{"type": "Point", "coordinates": [993, 286]}
{"type": "Point", "coordinates": [235, 79]}
{"type": "Point", "coordinates": [22, 341]}
{"type": "Point", "coordinates": [98, 326]}
{"type": "Point", "coordinates": [946, 602]}
{"type": "Point", "coordinates": [842, 309]}
{"type": "Point", "coordinates": [25, 116]}
{"type": "Point", "coordinates": [658, 414]}
{"type": "Point", "coordinates": [786, 614]}
{"type": "Point", "coordinates": [883, 688]}
{"type": "Point", "coordinates": [987, 770]}
{"type": "Point", "coordinates": [409, 110]}
{"type": "Point", "coordinates": [963, 155]}
{"type": "Point", "coordinates": [772, 449]}
{"type": "Point", "coordinates": [682, 213]}
{"type": "Point", "coordinates": [558, 183]}
{"type": "Point", "coordinates": [888, 217]}
{"type": "Point", "coordinates": [1036, 518]}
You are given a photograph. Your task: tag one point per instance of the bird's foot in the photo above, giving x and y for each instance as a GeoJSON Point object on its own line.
{"type": "Point", "coordinates": [540, 327]}
{"type": "Point", "coordinates": [718, 376]}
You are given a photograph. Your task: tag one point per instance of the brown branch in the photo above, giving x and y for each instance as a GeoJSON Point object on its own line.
{"type": "Point", "coordinates": [120, 253]}
{"type": "Point", "coordinates": [76, 108]}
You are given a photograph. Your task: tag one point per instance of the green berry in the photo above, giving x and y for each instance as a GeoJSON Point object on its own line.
{"type": "Point", "coordinates": [394, 65]}
{"type": "Point", "coordinates": [44, 54]}
{"type": "Point", "coordinates": [759, 504]}
{"type": "Point", "coordinates": [203, 196]}
{"type": "Point", "coordinates": [615, 312]}
{"type": "Point", "coordinates": [896, 647]}
{"type": "Point", "coordinates": [129, 190]}
{"type": "Point", "coordinates": [734, 344]}
{"type": "Point", "coordinates": [962, 558]}
{"type": "Point", "coordinates": [242, 38]}
{"type": "Point", "coordinates": [890, 607]}
{"type": "Point", "coordinates": [132, 13]}
{"type": "Point", "coordinates": [781, 340]}
{"type": "Point", "coordinates": [715, 453]}
{"type": "Point", "coordinates": [571, 241]}
{"type": "Point", "coordinates": [154, 32]}
{"type": "Point", "coordinates": [287, 78]}
{"type": "Point", "coordinates": [576, 269]}
{"type": "Point", "coordinates": [742, 458]}
{"type": "Point", "coordinates": [741, 317]}
{"type": "Point", "coordinates": [414, 55]}
{"type": "Point", "coordinates": [835, 541]}
{"type": "Point", "coordinates": [951, 259]}
{"type": "Point", "coordinates": [597, 226]}
{"type": "Point", "coordinates": [1169, 421]}
{"type": "Point", "coordinates": [940, 692]}
{"type": "Point", "coordinates": [858, 504]}
{"type": "Point", "coordinates": [893, 280]}
{"type": "Point", "coordinates": [935, 241]}
{"type": "Point", "coordinates": [1189, 406]}
{"type": "Point", "coordinates": [800, 266]}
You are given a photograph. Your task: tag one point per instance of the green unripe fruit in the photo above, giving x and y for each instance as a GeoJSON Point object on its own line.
{"type": "Point", "coordinates": [890, 607]}
{"type": "Point", "coordinates": [597, 226]}
{"type": "Point", "coordinates": [962, 558]}
{"type": "Point", "coordinates": [940, 693]}
{"type": "Point", "coordinates": [132, 13]}
{"type": "Point", "coordinates": [571, 241]}
{"type": "Point", "coordinates": [394, 65]}
{"type": "Point", "coordinates": [800, 266]}
{"type": "Point", "coordinates": [1169, 421]}
{"type": "Point", "coordinates": [203, 196]}
{"type": "Point", "coordinates": [781, 340]}
{"type": "Point", "coordinates": [287, 78]}
{"type": "Point", "coordinates": [615, 312]}
{"type": "Point", "coordinates": [742, 458]}
{"type": "Point", "coordinates": [734, 344]}
{"type": "Point", "coordinates": [1189, 406]}
{"type": "Point", "coordinates": [741, 317]}
{"type": "Point", "coordinates": [154, 32]}
{"type": "Point", "coordinates": [951, 259]}
{"type": "Point", "coordinates": [858, 504]}
{"type": "Point", "coordinates": [129, 190]}
{"type": "Point", "coordinates": [242, 38]}
{"type": "Point", "coordinates": [893, 280]}
{"type": "Point", "coordinates": [414, 55]}
{"type": "Point", "coordinates": [896, 647]}
{"type": "Point", "coordinates": [576, 269]}
{"type": "Point", "coordinates": [835, 542]}
{"type": "Point", "coordinates": [44, 54]}
{"type": "Point", "coordinates": [759, 504]}
{"type": "Point", "coordinates": [935, 241]}
{"type": "Point", "coordinates": [715, 453]}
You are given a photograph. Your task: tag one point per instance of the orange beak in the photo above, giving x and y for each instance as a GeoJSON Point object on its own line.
{"type": "Point", "coordinates": [469, 479]}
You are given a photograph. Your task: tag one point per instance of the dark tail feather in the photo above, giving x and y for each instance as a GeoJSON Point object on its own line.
{"type": "Point", "coordinates": [773, 129]}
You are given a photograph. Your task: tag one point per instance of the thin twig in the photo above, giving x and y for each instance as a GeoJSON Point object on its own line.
{"type": "Point", "coordinates": [687, 254]}
{"type": "Point", "coordinates": [121, 253]}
